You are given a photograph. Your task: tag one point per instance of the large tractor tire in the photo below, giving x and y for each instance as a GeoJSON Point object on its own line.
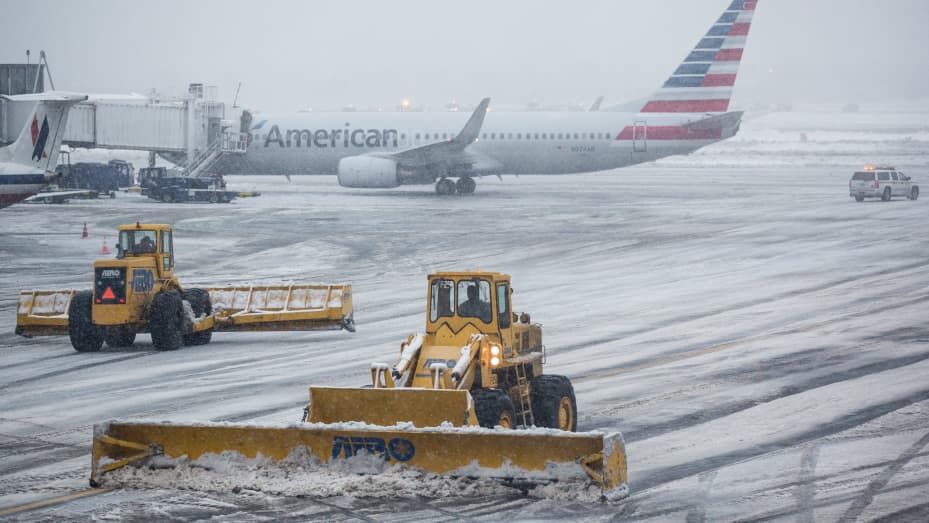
{"type": "Point", "coordinates": [553, 402]}
{"type": "Point", "coordinates": [85, 336]}
{"type": "Point", "coordinates": [199, 301]}
{"type": "Point", "coordinates": [167, 321]}
{"type": "Point", "coordinates": [119, 337]}
{"type": "Point", "coordinates": [494, 407]}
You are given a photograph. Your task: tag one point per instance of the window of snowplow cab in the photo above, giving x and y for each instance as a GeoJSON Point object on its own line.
{"type": "Point", "coordinates": [137, 241]}
{"type": "Point", "coordinates": [503, 305]}
{"type": "Point", "coordinates": [441, 299]}
{"type": "Point", "coordinates": [474, 300]}
{"type": "Point", "coordinates": [883, 177]}
{"type": "Point", "coordinates": [863, 177]}
{"type": "Point", "coordinates": [167, 248]}
{"type": "Point", "coordinates": [167, 244]}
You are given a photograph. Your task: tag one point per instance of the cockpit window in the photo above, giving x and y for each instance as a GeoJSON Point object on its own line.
{"type": "Point", "coordinates": [474, 299]}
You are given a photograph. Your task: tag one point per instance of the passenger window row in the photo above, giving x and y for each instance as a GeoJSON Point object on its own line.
{"type": "Point", "coordinates": [545, 136]}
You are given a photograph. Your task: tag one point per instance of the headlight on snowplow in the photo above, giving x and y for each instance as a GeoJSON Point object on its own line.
{"type": "Point", "coordinates": [494, 350]}
{"type": "Point", "coordinates": [494, 361]}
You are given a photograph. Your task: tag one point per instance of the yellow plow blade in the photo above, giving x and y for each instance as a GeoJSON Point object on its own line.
{"type": "Point", "coordinates": [390, 406]}
{"type": "Point", "coordinates": [535, 456]}
{"type": "Point", "coordinates": [282, 307]}
{"type": "Point", "coordinates": [43, 313]}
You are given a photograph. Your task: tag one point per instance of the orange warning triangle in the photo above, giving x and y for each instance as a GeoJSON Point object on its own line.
{"type": "Point", "coordinates": [108, 294]}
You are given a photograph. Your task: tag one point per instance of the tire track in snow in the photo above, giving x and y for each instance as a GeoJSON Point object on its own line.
{"type": "Point", "coordinates": [33, 362]}
{"type": "Point", "coordinates": [675, 356]}
{"type": "Point", "coordinates": [685, 318]}
{"type": "Point", "coordinates": [697, 513]}
{"type": "Point", "coordinates": [850, 420]}
{"type": "Point", "coordinates": [55, 374]}
{"type": "Point", "coordinates": [805, 490]}
{"type": "Point", "coordinates": [878, 484]}
{"type": "Point", "coordinates": [720, 411]}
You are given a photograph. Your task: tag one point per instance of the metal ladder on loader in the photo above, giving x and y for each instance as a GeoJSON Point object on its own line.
{"type": "Point", "coordinates": [524, 405]}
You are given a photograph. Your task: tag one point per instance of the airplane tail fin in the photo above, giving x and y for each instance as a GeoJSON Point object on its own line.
{"type": "Point", "coordinates": [40, 140]}
{"type": "Point", "coordinates": [703, 82]}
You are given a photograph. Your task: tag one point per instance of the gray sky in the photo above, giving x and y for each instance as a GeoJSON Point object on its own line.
{"type": "Point", "coordinates": [325, 55]}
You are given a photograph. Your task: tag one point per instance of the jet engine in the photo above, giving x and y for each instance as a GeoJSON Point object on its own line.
{"type": "Point", "coordinates": [368, 172]}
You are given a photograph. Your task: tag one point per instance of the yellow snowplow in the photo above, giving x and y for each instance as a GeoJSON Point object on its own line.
{"type": "Point", "coordinates": [137, 292]}
{"type": "Point", "coordinates": [449, 405]}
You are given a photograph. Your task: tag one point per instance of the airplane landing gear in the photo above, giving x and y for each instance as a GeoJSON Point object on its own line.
{"type": "Point", "coordinates": [445, 187]}
{"type": "Point", "coordinates": [466, 185]}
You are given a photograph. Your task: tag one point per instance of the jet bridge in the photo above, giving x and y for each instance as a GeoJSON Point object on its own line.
{"type": "Point", "coordinates": [191, 131]}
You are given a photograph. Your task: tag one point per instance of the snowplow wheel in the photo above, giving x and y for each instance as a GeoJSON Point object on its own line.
{"type": "Point", "coordinates": [199, 301]}
{"type": "Point", "coordinates": [85, 336]}
{"type": "Point", "coordinates": [166, 321]}
{"type": "Point", "coordinates": [494, 407]}
{"type": "Point", "coordinates": [553, 403]}
{"type": "Point", "coordinates": [859, 198]}
{"type": "Point", "coordinates": [885, 197]}
{"type": "Point", "coordinates": [119, 337]}
{"type": "Point", "coordinates": [914, 193]}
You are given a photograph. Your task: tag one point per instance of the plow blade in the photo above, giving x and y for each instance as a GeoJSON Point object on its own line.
{"type": "Point", "coordinates": [383, 406]}
{"type": "Point", "coordinates": [43, 313]}
{"type": "Point", "coordinates": [535, 456]}
{"type": "Point", "coordinates": [282, 308]}
{"type": "Point", "coordinates": [252, 308]}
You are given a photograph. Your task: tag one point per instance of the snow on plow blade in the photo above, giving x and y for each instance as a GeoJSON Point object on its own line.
{"type": "Point", "coordinates": [302, 307]}
{"type": "Point", "coordinates": [390, 406]}
{"type": "Point", "coordinates": [282, 307]}
{"type": "Point", "coordinates": [43, 313]}
{"type": "Point", "coordinates": [538, 455]}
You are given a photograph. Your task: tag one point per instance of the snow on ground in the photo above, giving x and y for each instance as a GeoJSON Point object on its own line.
{"type": "Point", "coordinates": [760, 339]}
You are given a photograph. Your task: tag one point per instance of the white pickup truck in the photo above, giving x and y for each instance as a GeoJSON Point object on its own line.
{"type": "Point", "coordinates": [881, 182]}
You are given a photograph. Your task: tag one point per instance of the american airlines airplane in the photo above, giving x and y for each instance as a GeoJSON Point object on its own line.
{"type": "Point", "coordinates": [382, 150]}
{"type": "Point", "coordinates": [27, 164]}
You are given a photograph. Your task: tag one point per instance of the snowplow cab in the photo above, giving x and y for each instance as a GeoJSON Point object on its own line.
{"type": "Point", "coordinates": [144, 264]}
{"type": "Point", "coordinates": [464, 304]}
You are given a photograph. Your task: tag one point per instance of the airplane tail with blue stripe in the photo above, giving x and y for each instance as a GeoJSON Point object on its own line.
{"type": "Point", "coordinates": [704, 80]}
{"type": "Point", "coordinates": [40, 139]}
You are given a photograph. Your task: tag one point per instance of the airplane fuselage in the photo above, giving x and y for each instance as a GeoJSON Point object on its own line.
{"type": "Point", "coordinates": [17, 182]}
{"type": "Point", "coordinates": [509, 142]}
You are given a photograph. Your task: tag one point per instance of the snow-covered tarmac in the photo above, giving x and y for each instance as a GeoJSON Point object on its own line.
{"type": "Point", "coordinates": [761, 340]}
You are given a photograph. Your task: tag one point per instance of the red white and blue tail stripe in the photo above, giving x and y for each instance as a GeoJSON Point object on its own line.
{"type": "Point", "coordinates": [703, 82]}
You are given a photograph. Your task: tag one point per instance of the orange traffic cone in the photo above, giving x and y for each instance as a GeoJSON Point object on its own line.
{"type": "Point", "coordinates": [85, 235]}
{"type": "Point", "coordinates": [105, 249]}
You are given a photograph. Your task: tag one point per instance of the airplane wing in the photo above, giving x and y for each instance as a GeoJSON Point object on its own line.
{"type": "Point", "coordinates": [446, 151]}
{"type": "Point", "coordinates": [58, 196]}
